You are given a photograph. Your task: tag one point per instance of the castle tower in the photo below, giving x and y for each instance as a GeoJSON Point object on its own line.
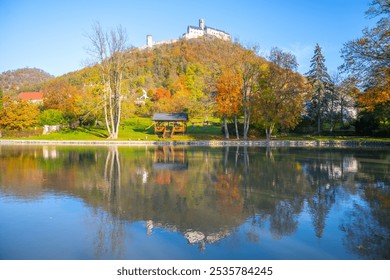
{"type": "Point", "coordinates": [149, 41]}
{"type": "Point", "coordinates": [201, 23]}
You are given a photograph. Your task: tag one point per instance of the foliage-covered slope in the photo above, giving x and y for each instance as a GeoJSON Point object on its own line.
{"type": "Point", "coordinates": [25, 79]}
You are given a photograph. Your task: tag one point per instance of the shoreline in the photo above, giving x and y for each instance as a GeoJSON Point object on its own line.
{"type": "Point", "coordinates": [206, 143]}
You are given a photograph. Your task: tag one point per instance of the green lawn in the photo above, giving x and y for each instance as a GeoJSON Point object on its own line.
{"type": "Point", "coordinates": [139, 128]}
{"type": "Point", "coordinates": [133, 129]}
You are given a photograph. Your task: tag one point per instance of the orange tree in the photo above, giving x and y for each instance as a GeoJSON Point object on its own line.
{"type": "Point", "coordinates": [368, 60]}
{"type": "Point", "coordinates": [228, 97]}
{"type": "Point", "coordinates": [18, 114]}
{"type": "Point", "coordinates": [162, 100]}
{"type": "Point", "coordinates": [61, 95]}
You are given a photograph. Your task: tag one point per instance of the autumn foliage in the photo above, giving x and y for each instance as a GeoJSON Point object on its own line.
{"type": "Point", "coordinates": [18, 114]}
{"type": "Point", "coordinates": [229, 93]}
{"type": "Point", "coordinates": [377, 95]}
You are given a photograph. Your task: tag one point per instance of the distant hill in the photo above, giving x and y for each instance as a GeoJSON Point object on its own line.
{"type": "Point", "coordinates": [26, 79]}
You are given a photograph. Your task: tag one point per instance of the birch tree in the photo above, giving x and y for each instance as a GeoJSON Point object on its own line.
{"type": "Point", "coordinates": [249, 64]}
{"type": "Point", "coordinates": [108, 48]}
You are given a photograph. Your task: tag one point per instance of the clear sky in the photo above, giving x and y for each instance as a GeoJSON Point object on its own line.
{"type": "Point", "coordinates": [50, 35]}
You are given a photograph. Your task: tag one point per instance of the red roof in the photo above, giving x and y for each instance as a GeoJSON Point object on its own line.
{"type": "Point", "coordinates": [31, 95]}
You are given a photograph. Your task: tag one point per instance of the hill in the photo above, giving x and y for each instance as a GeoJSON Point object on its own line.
{"type": "Point", "coordinates": [193, 64]}
{"type": "Point", "coordinates": [24, 79]}
{"type": "Point", "coordinates": [177, 77]}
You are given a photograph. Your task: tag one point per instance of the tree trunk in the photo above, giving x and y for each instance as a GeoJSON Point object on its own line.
{"type": "Point", "coordinates": [236, 126]}
{"type": "Point", "coordinates": [110, 53]}
{"type": "Point", "coordinates": [268, 131]}
{"type": "Point", "coordinates": [319, 118]}
{"type": "Point", "coordinates": [246, 123]}
{"type": "Point", "coordinates": [225, 128]}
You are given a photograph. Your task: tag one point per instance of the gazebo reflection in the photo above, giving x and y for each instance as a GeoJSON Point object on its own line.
{"type": "Point", "coordinates": [170, 158]}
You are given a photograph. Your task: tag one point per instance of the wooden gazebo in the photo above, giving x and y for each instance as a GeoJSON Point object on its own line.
{"type": "Point", "coordinates": [167, 124]}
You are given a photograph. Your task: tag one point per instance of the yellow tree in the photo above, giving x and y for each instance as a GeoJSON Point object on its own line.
{"type": "Point", "coordinates": [18, 114]}
{"type": "Point", "coordinates": [228, 97]}
{"type": "Point", "coordinates": [181, 99]}
{"type": "Point", "coordinates": [280, 98]}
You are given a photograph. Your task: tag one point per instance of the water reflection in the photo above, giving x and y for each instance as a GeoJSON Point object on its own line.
{"type": "Point", "coordinates": [234, 195]}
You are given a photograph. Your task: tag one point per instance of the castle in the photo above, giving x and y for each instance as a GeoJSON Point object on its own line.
{"type": "Point", "coordinates": [192, 32]}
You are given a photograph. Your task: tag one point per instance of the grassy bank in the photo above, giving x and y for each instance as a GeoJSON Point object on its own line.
{"type": "Point", "coordinates": [141, 129]}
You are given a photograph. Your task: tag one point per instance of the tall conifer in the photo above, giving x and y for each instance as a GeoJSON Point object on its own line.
{"type": "Point", "coordinates": [320, 80]}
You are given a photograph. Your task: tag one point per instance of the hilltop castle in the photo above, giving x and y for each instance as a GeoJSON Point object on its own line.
{"type": "Point", "coordinates": [192, 32]}
{"type": "Point", "coordinates": [202, 30]}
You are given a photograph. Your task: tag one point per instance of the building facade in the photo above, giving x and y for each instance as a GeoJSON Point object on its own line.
{"type": "Point", "coordinates": [203, 30]}
{"type": "Point", "coordinates": [192, 32]}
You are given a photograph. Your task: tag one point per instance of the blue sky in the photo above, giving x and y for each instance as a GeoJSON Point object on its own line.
{"type": "Point", "coordinates": [50, 35]}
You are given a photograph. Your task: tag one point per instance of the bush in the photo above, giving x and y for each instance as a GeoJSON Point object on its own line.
{"type": "Point", "coordinates": [51, 117]}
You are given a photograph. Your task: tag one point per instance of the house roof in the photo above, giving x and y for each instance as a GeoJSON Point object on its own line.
{"type": "Point", "coordinates": [31, 95]}
{"type": "Point", "coordinates": [170, 117]}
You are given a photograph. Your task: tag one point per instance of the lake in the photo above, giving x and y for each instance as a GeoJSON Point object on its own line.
{"type": "Point", "coordinates": [169, 202]}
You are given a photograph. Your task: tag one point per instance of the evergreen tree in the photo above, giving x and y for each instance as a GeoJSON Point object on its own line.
{"type": "Point", "coordinates": [321, 88]}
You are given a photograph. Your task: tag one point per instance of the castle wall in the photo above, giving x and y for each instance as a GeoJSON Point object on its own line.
{"type": "Point", "coordinates": [192, 32]}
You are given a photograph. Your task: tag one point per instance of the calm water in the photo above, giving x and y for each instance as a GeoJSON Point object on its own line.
{"type": "Point", "coordinates": [193, 203]}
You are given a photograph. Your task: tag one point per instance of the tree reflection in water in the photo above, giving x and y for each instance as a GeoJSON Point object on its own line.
{"type": "Point", "coordinates": [366, 227]}
{"type": "Point", "coordinates": [208, 194]}
{"type": "Point", "coordinates": [110, 235]}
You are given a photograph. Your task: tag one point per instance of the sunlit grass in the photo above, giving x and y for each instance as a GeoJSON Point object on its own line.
{"type": "Point", "coordinates": [81, 133]}
{"type": "Point", "coordinates": [138, 128]}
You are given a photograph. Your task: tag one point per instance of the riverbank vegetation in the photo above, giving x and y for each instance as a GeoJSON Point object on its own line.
{"type": "Point", "coordinates": [229, 91]}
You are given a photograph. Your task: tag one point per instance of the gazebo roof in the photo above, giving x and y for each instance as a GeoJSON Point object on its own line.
{"type": "Point", "coordinates": [169, 117]}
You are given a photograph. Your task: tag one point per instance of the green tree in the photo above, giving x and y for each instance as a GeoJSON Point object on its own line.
{"type": "Point", "coordinates": [320, 81]}
{"type": "Point", "coordinates": [196, 85]}
{"type": "Point", "coordinates": [51, 117]}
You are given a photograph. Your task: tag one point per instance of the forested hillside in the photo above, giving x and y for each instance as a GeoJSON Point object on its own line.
{"type": "Point", "coordinates": [209, 78]}
{"type": "Point", "coordinates": [25, 79]}
{"type": "Point", "coordinates": [205, 77]}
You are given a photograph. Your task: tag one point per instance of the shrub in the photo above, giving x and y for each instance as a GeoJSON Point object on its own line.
{"type": "Point", "coordinates": [51, 117]}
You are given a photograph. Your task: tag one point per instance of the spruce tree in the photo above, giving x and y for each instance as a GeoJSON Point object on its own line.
{"type": "Point", "coordinates": [320, 80]}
